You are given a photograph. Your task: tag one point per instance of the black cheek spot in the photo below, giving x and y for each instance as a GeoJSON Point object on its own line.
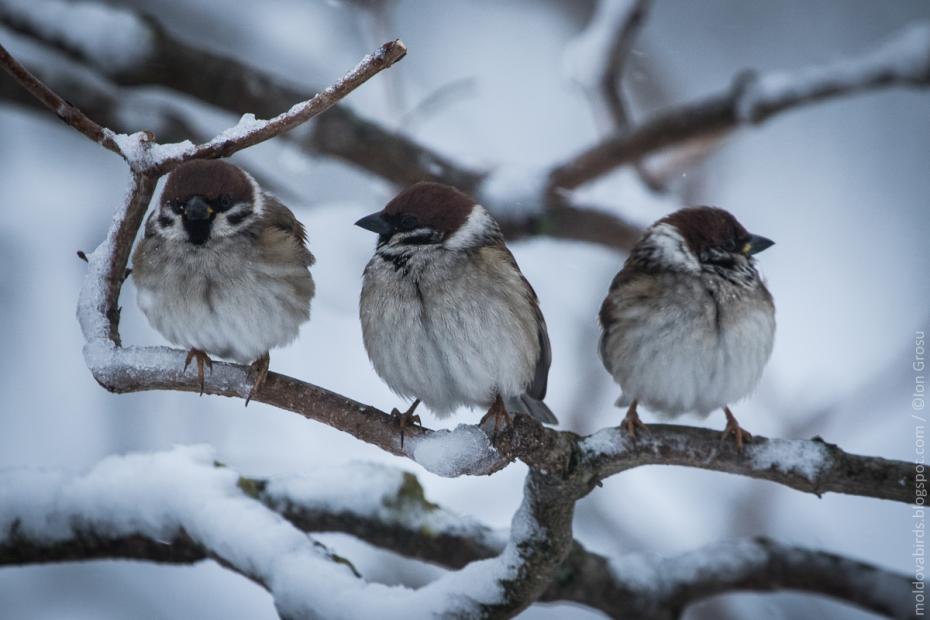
{"type": "Point", "coordinates": [164, 221]}
{"type": "Point", "coordinates": [237, 218]}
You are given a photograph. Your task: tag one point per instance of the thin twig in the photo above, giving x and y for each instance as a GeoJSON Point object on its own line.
{"type": "Point", "coordinates": [51, 100]}
{"type": "Point", "coordinates": [903, 62]}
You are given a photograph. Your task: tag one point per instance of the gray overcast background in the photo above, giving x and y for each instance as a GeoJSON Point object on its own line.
{"type": "Point", "coordinates": [842, 188]}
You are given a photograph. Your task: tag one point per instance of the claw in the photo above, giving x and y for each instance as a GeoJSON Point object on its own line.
{"type": "Point", "coordinates": [406, 419]}
{"type": "Point", "coordinates": [499, 411]}
{"type": "Point", "coordinates": [202, 358]}
{"type": "Point", "coordinates": [632, 422]}
{"type": "Point", "coordinates": [260, 369]}
{"type": "Point", "coordinates": [740, 435]}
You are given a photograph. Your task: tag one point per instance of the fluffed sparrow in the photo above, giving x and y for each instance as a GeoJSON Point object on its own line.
{"type": "Point", "coordinates": [447, 317]}
{"type": "Point", "coordinates": [223, 268]}
{"type": "Point", "coordinates": [688, 324]}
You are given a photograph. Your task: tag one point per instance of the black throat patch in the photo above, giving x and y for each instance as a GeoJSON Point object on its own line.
{"type": "Point", "coordinates": [198, 231]}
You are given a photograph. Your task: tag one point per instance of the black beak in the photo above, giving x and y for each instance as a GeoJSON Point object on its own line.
{"type": "Point", "coordinates": [756, 244]}
{"type": "Point", "coordinates": [197, 209]}
{"type": "Point", "coordinates": [376, 224]}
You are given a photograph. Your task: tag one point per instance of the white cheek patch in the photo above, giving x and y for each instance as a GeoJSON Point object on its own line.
{"type": "Point", "coordinates": [671, 248]}
{"type": "Point", "coordinates": [258, 196]}
{"type": "Point", "coordinates": [476, 227]}
{"type": "Point", "coordinates": [174, 231]}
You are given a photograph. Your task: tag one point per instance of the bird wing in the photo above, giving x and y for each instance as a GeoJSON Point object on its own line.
{"type": "Point", "coordinates": [537, 388]}
{"type": "Point", "coordinates": [279, 219]}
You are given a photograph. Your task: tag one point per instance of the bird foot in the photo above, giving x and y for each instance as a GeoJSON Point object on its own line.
{"type": "Point", "coordinates": [632, 422]}
{"type": "Point", "coordinates": [740, 435]}
{"type": "Point", "coordinates": [259, 368]}
{"type": "Point", "coordinates": [405, 419]}
{"type": "Point", "coordinates": [202, 359]}
{"type": "Point", "coordinates": [499, 411]}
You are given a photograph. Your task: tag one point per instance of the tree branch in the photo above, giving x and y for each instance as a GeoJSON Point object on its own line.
{"type": "Point", "coordinates": [387, 508]}
{"type": "Point", "coordinates": [902, 62]}
{"type": "Point", "coordinates": [239, 88]}
{"type": "Point", "coordinates": [164, 60]}
{"type": "Point", "coordinates": [177, 506]}
{"type": "Point", "coordinates": [62, 109]}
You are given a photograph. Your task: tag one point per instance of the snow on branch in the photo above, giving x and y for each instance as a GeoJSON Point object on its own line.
{"type": "Point", "coordinates": [229, 84]}
{"type": "Point", "coordinates": [232, 85]}
{"type": "Point", "coordinates": [127, 505]}
{"type": "Point", "coordinates": [806, 465]}
{"type": "Point", "coordinates": [178, 507]}
{"type": "Point", "coordinates": [904, 61]}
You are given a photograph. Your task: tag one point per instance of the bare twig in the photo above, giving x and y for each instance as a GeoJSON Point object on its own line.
{"type": "Point", "coordinates": [240, 88]}
{"type": "Point", "coordinates": [62, 109]}
{"type": "Point", "coordinates": [903, 62]}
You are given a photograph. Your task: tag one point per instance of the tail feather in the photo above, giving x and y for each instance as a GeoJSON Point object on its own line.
{"type": "Point", "coordinates": [532, 407]}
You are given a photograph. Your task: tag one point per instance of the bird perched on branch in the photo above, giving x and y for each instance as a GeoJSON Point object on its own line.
{"type": "Point", "coordinates": [688, 324]}
{"type": "Point", "coordinates": [447, 317]}
{"type": "Point", "coordinates": [223, 268]}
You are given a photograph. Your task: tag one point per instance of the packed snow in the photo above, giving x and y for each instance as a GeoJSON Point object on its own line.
{"type": "Point", "coordinates": [159, 495]}
{"type": "Point", "coordinates": [453, 453]}
{"type": "Point", "coordinates": [803, 457]}
{"type": "Point", "coordinates": [375, 491]}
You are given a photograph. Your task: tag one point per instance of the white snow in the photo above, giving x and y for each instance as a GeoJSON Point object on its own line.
{"type": "Point", "coordinates": [159, 495]}
{"type": "Point", "coordinates": [585, 58]}
{"type": "Point", "coordinates": [453, 453]}
{"type": "Point", "coordinates": [112, 38]}
{"type": "Point", "coordinates": [374, 491]}
{"type": "Point", "coordinates": [247, 124]}
{"type": "Point", "coordinates": [905, 56]}
{"type": "Point", "coordinates": [610, 441]}
{"type": "Point", "coordinates": [92, 298]}
{"type": "Point", "coordinates": [653, 572]}
{"type": "Point", "coordinates": [804, 457]}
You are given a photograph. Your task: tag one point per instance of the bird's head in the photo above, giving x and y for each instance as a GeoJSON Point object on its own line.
{"type": "Point", "coordinates": [702, 236]}
{"type": "Point", "coordinates": [431, 215]}
{"type": "Point", "coordinates": [207, 199]}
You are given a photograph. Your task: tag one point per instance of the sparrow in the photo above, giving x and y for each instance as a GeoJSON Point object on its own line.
{"type": "Point", "coordinates": [223, 268]}
{"type": "Point", "coordinates": [447, 317]}
{"type": "Point", "coordinates": [688, 324]}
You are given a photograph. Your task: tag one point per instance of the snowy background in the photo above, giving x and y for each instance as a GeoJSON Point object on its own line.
{"type": "Point", "coordinates": [842, 188]}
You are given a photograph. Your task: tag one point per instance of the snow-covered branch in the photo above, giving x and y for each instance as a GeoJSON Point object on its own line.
{"type": "Point", "coordinates": [809, 465]}
{"type": "Point", "coordinates": [164, 60]}
{"type": "Point", "coordinates": [178, 507]}
{"type": "Point", "coordinates": [806, 465]}
{"type": "Point", "coordinates": [902, 62]}
{"type": "Point", "coordinates": [151, 55]}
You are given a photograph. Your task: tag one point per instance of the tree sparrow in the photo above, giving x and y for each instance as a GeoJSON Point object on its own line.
{"type": "Point", "coordinates": [223, 268]}
{"type": "Point", "coordinates": [688, 324]}
{"type": "Point", "coordinates": [447, 316]}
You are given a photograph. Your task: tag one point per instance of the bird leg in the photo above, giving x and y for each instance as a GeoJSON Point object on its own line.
{"type": "Point", "coordinates": [733, 428]}
{"type": "Point", "coordinates": [202, 358]}
{"type": "Point", "coordinates": [499, 411]}
{"type": "Point", "coordinates": [260, 369]}
{"type": "Point", "coordinates": [632, 422]}
{"type": "Point", "coordinates": [406, 419]}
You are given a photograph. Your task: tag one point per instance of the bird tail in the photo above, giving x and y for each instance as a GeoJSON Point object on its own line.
{"type": "Point", "coordinates": [532, 407]}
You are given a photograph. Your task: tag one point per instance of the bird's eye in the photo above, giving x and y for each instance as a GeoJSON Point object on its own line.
{"type": "Point", "coordinates": [225, 201]}
{"type": "Point", "coordinates": [408, 222]}
{"type": "Point", "coordinates": [729, 245]}
{"type": "Point", "coordinates": [177, 206]}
